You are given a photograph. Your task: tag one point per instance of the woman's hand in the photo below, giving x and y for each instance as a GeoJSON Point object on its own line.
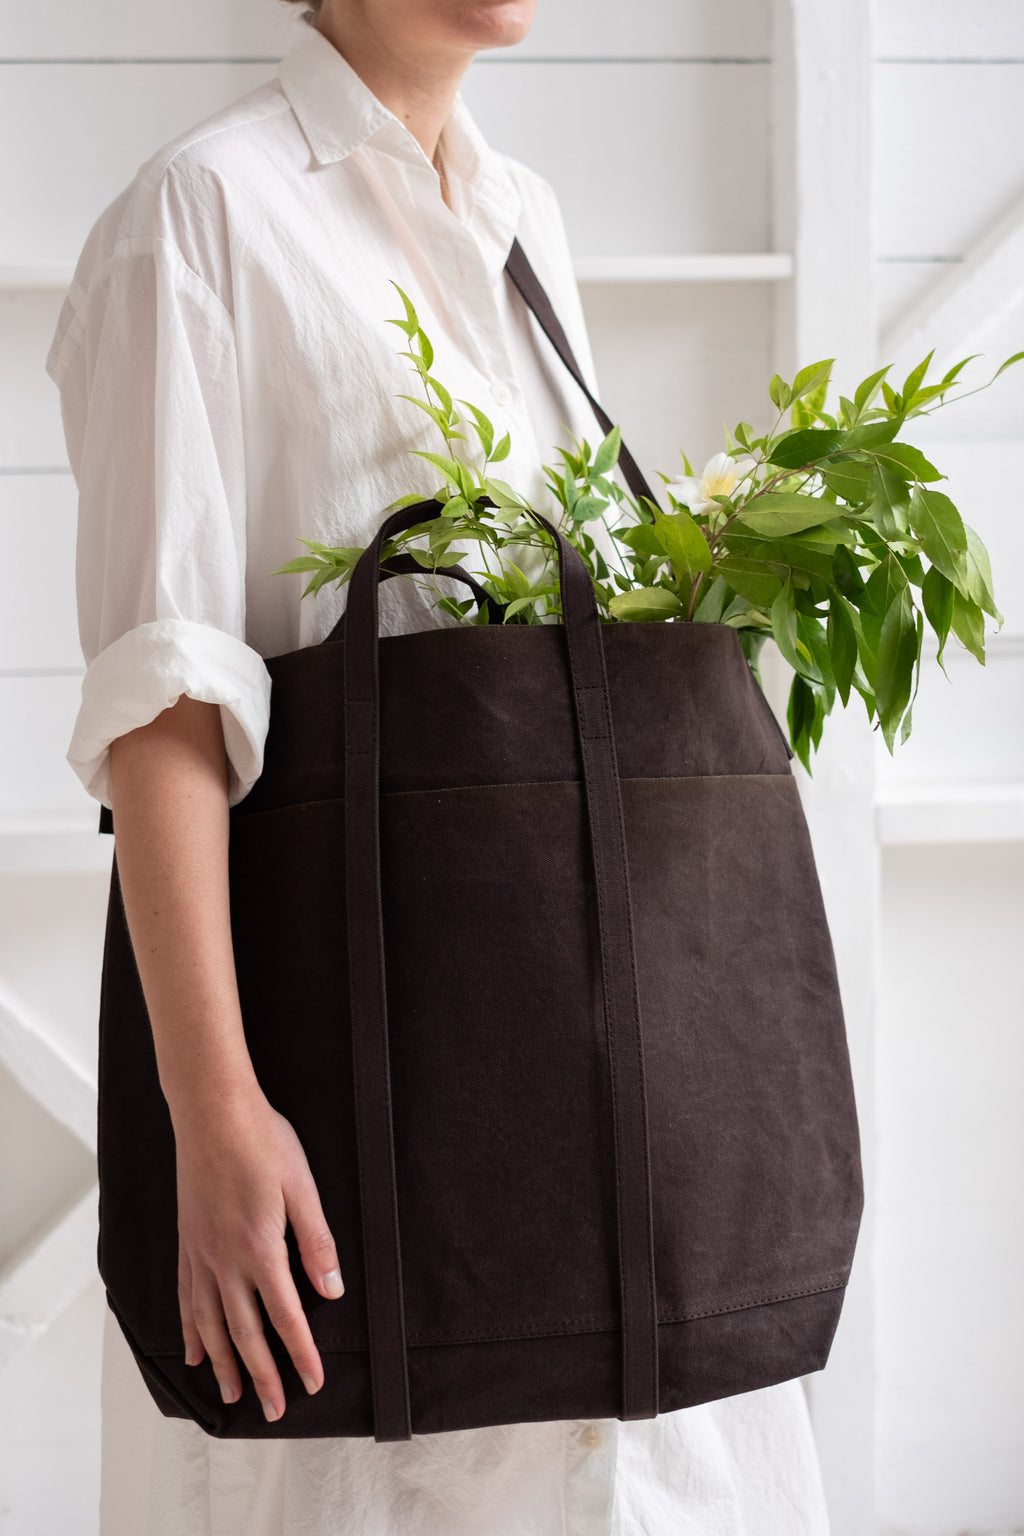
{"type": "Point", "coordinates": [242, 1177]}
{"type": "Point", "coordinates": [242, 1174]}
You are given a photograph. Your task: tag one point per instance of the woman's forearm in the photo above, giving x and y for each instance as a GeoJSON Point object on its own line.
{"type": "Point", "coordinates": [169, 795]}
{"type": "Point", "coordinates": [242, 1174]}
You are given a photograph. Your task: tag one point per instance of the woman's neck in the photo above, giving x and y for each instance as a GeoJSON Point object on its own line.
{"type": "Point", "coordinates": [417, 84]}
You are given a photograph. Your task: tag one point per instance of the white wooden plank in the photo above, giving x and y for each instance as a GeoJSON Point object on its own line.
{"type": "Point", "coordinates": [35, 1291]}
{"type": "Point", "coordinates": [50, 1419]}
{"type": "Point", "coordinates": [119, 29]}
{"type": "Point", "coordinates": [38, 626]}
{"type": "Point", "coordinates": [30, 426]}
{"type": "Point", "coordinates": [992, 414]}
{"type": "Point", "coordinates": [752, 267]}
{"type": "Point", "coordinates": [45, 1070]}
{"type": "Point", "coordinates": [970, 728]}
{"type": "Point", "coordinates": [87, 129]}
{"type": "Point", "coordinates": [950, 1065]}
{"type": "Point", "coordinates": [676, 363]}
{"type": "Point", "coordinates": [54, 847]}
{"type": "Point", "coordinates": [32, 279]}
{"type": "Point", "coordinates": [692, 191]}
{"type": "Point", "coordinates": [970, 301]}
{"type": "Point", "coordinates": [950, 29]}
{"type": "Point", "coordinates": [821, 134]}
{"type": "Point", "coordinates": [951, 813]}
{"type": "Point", "coordinates": [949, 154]}
{"type": "Point", "coordinates": [683, 189]}
{"type": "Point", "coordinates": [35, 778]}
{"type": "Point", "coordinates": [978, 477]}
{"type": "Point", "coordinates": [38, 912]}
{"type": "Point", "coordinates": [581, 28]}
{"type": "Point", "coordinates": [261, 28]}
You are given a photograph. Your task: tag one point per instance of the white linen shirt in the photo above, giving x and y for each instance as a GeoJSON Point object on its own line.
{"type": "Point", "coordinates": [229, 382]}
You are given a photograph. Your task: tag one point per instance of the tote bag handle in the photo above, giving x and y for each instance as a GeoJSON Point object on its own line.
{"type": "Point", "coordinates": [526, 280]}
{"type": "Point", "coordinates": [369, 1020]}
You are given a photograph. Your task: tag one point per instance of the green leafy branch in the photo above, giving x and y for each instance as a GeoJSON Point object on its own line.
{"type": "Point", "coordinates": [814, 533]}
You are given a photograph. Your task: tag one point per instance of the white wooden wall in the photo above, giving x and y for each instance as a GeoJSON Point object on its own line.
{"type": "Point", "coordinates": [746, 187]}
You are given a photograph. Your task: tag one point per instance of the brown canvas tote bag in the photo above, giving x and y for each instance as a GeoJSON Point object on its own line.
{"type": "Point", "coordinates": [532, 953]}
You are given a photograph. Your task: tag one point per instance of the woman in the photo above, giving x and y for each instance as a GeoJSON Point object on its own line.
{"type": "Point", "coordinates": [229, 382]}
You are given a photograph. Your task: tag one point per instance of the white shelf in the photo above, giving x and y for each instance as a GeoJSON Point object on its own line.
{"type": "Point", "coordinates": [950, 813]}
{"type": "Point", "coordinates": [55, 845]}
{"type": "Point", "coordinates": [36, 277]}
{"type": "Point", "coordinates": [743, 267]}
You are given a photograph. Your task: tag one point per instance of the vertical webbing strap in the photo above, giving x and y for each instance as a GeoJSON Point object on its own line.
{"type": "Point", "coordinates": [374, 1130]}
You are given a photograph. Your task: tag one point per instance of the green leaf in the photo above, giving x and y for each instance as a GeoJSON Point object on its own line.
{"type": "Point", "coordinates": [849, 478]}
{"type": "Point", "coordinates": [783, 616]}
{"type": "Point", "coordinates": [501, 450]}
{"type": "Point", "coordinates": [969, 625]}
{"type": "Point", "coordinates": [776, 513]}
{"type": "Point", "coordinates": [752, 579]}
{"type": "Point", "coordinates": [426, 350]}
{"type": "Point", "coordinates": [868, 389]}
{"type": "Point", "coordinates": [682, 540]}
{"type": "Point", "coordinates": [300, 563]}
{"type": "Point", "coordinates": [937, 597]}
{"type": "Point", "coordinates": [1002, 366]}
{"type": "Point", "coordinates": [608, 451]}
{"type": "Point", "coordinates": [800, 712]}
{"type": "Point", "coordinates": [914, 378]}
{"type": "Point", "coordinates": [889, 501]}
{"type": "Point", "coordinates": [448, 467]}
{"type": "Point", "coordinates": [712, 605]}
{"type": "Point", "coordinates": [502, 493]}
{"type": "Point", "coordinates": [588, 508]}
{"type": "Point", "coordinates": [978, 585]}
{"type": "Point", "coordinates": [431, 558]}
{"type": "Point", "coordinates": [801, 551]}
{"type": "Point", "coordinates": [642, 538]}
{"type": "Point", "coordinates": [870, 433]}
{"type": "Point", "coordinates": [842, 644]}
{"type": "Point", "coordinates": [645, 603]}
{"type": "Point", "coordinates": [897, 653]}
{"type": "Point", "coordinates": [780, 393]}
{"type": "Point", "coordinates": [847, 576]}
{"type": "Point", "coordinates": [908, 461]}
{"type": "Point", "coordinates": [800, 448]}
{"type": "Point", "coordinates": [812, 377]}
{"type": "Point", "coordinates": [908, 717]}
{"type": "Point", "coordinates": [436, 414]}
{"type": "Point", "coordinates": [939, 527]}
{"type": "Point", "coordinates": [484, 427]}
{"type": "Point", "coordinates": [410, 324]}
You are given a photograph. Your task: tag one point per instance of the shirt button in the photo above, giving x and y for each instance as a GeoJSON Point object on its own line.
{"type": "Point", "coordinates": [501, 392]}
{"type": "Point", "coordinates": [592, 1437]}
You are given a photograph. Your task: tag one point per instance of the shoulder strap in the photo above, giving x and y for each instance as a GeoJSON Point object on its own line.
{"type": "Point", "coordinates": [526, 280]}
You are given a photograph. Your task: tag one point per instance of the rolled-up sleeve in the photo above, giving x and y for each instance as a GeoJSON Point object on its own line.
{"type": "Point", "coordinates": [144, 357]}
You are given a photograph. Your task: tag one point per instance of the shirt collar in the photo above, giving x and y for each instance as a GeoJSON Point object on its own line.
{"type": "Point", "coordinates": [338, 113]}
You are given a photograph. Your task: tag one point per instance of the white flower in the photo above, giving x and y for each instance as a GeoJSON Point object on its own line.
{"type": "Point", "coordinates": [720, 477]}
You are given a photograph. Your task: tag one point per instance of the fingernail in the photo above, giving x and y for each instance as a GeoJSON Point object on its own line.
{"type": "Point", "coordinates": [228, 1392]}
{"type": "Point", "coordinates": [191, 1355]}
{"type": "Point", "coordinates": [332, 1283]}
{"type": "Point", "coordinates": [269, 1411]}
{"type": "Point", "coordinates": [310, 1384]}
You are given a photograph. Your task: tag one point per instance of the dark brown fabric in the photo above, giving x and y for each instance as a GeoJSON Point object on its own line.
{"type": "Point", "coordinates": [499, 1079]}
{"type": "Point", "coordinates": [532, 952]}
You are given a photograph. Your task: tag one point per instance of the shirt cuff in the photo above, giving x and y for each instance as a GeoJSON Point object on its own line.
{"type": "Point", "coordinates": [147, 670]}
